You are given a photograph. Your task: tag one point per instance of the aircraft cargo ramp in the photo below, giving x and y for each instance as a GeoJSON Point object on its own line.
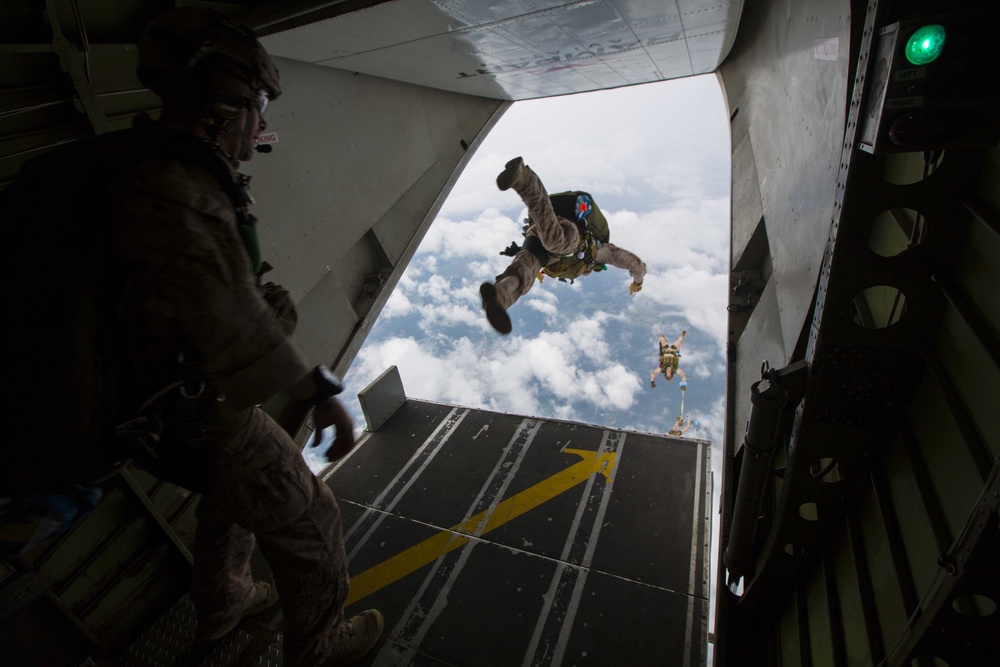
{"type": "Point", "coordinates": [488, 538]}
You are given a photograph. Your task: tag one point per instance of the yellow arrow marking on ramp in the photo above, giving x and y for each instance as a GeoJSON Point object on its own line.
{"type": "Point", "coordinates": [414, 558]}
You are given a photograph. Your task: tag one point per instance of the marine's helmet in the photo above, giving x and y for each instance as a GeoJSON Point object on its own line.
{"type": "Point", "coordinates": [204, 56]}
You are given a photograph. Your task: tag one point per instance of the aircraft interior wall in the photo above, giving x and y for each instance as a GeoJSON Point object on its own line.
{"type": "Point", "coordinates": [878, 523]}
{"type": "Point", "coordinates": [360, 169]}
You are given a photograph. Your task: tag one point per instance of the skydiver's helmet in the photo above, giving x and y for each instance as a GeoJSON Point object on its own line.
{"type": "Point", "coordinates": [211, 63]}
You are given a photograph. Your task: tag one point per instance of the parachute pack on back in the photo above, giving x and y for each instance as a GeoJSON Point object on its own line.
{"type": "Point", "coordinates": [565, 206]}
{"type": "Point", "coordinates": [63, 388]}
{"type": "Point", "coordinates": [579, 207]}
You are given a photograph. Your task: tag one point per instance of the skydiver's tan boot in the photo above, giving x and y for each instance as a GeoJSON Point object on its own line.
{"type": "Point", "coordinates": [512, 175]}
{"type": "Point", "coordinates": [355, 637]}
{"type": "Point", "coordinates": [495, 312]}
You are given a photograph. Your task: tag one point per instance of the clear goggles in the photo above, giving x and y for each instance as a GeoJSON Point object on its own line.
{"type": "Point", "coordinates": [260, 102]}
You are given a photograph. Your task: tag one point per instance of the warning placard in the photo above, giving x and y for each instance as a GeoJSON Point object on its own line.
{"type": "Point", "coordinates": [267, 138]}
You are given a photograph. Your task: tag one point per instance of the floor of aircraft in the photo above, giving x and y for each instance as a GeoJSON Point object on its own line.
{"type": "Point", "coordinates": [487, 538]}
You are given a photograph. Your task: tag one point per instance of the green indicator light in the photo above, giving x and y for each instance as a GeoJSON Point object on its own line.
{"type": "Point", "coordinates": [925, 45]}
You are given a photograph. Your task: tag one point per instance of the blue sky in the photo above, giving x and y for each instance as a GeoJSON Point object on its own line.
{"type": "Point", "coordinates": [656, 158]}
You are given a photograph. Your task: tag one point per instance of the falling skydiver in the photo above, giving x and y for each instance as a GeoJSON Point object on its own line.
{"type": "Point", "coordinates": [681, 425]}
{"type": "Point", "coordinates": [563, 244]}
{"type": "Point", "coordinates": [669, 361]}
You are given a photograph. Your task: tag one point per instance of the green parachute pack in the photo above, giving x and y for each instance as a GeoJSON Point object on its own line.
{"type": "Point", "coordinates": [580, 207]}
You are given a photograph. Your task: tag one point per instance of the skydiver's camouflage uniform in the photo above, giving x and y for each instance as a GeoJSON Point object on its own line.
{"type": "Point", "coordinates": [559, 236]}
{"type": "Point", "coordinates": [192, 288]}
{"type": "Point", "coordinates": [679, 427]}
{"type": "Point", "coordinates": [669, 358]}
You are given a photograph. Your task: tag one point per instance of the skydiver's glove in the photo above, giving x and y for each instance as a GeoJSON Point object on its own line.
{"type": "Point", "coordinates": [633, 288]}
{"type": "Point", "coordinates": [511, 250]}
{"type": "Point", "coordinates": [652, 383]}
{"type": "Point", "coordinates": [540, 276]}
{"type": "Point", "coordinates": [684, 332]}
{"type": "Point", "coordinates": [684, 386]}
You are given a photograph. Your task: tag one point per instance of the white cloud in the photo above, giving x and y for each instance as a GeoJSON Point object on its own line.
{"type": "Point", "coordinates": [567, 371]}
{"type": "Point", "coordinates": [425, 373]}
{"type": "Point", "coordinates": [546, 308]}
{"type": "Point", "coordinates": [546, 295]}
{"type": "Point", "coordinates": [397, 305]}
{"type": "Point", "coordinates": [436, 288]}
{"type": "Point", "coordinates": [618, 386]}
{"type": "Point", "coordinates": [448, 314]}
{"type": "Point", "coordinates": [588, 337]}
{"type": "Point", "coordinates": [410, 278]}
{"type": "Point", "coordinates": [700, 296]}
{"type": "Point", "coordinates": [685, 247]}
{"type": "Point", "coordinates": [655, 143]}
{"type": "Point", "coordinates": [484, 235]}
{"type": "Point", "coordinates": [696, 236]}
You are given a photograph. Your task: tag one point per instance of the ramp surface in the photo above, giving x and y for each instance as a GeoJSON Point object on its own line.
{"type": "Point", "coordinates": [489, 538]}
{"type": "Point", "coordinates": [493, 539]}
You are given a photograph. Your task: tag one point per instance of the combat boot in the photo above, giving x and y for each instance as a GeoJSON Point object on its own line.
{"type": "Point", "coordinates": [355, 637]}
{"type": "Point", "coordinates": [262, 595]}
{"type": "Point", "coordinates": [495, 312]}
{"type": "Point", "coordinates": [513, 174]}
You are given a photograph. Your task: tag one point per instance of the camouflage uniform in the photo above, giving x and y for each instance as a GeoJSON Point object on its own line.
{"type": "Point", "coordinates": [560, 237]}
{"type": "Point", "coordinates": [680, 427]}
{"type": "Point", "coordinates": [297, 525]}
{"type": "Point", "coordinates": [192, 288]}
{"type": "Point", "coordinates": [669, 358]}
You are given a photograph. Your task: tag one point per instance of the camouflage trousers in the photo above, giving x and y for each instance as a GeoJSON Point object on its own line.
{"type": "Point", "coordinates": [266, 495]}
{"type": "Point", "coordinates": [559, 236]}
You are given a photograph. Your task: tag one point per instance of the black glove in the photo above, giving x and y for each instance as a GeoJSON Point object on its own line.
{"type": "Point", "coordinates": [511, 250]}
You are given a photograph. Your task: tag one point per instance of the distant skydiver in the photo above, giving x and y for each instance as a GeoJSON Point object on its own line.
{"type": "Point", "coordinates": [681, 426]}
{"type": "Point", "coordinates": [566, 237]}
{"type": "Point", "coordinates": [670, 361]}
